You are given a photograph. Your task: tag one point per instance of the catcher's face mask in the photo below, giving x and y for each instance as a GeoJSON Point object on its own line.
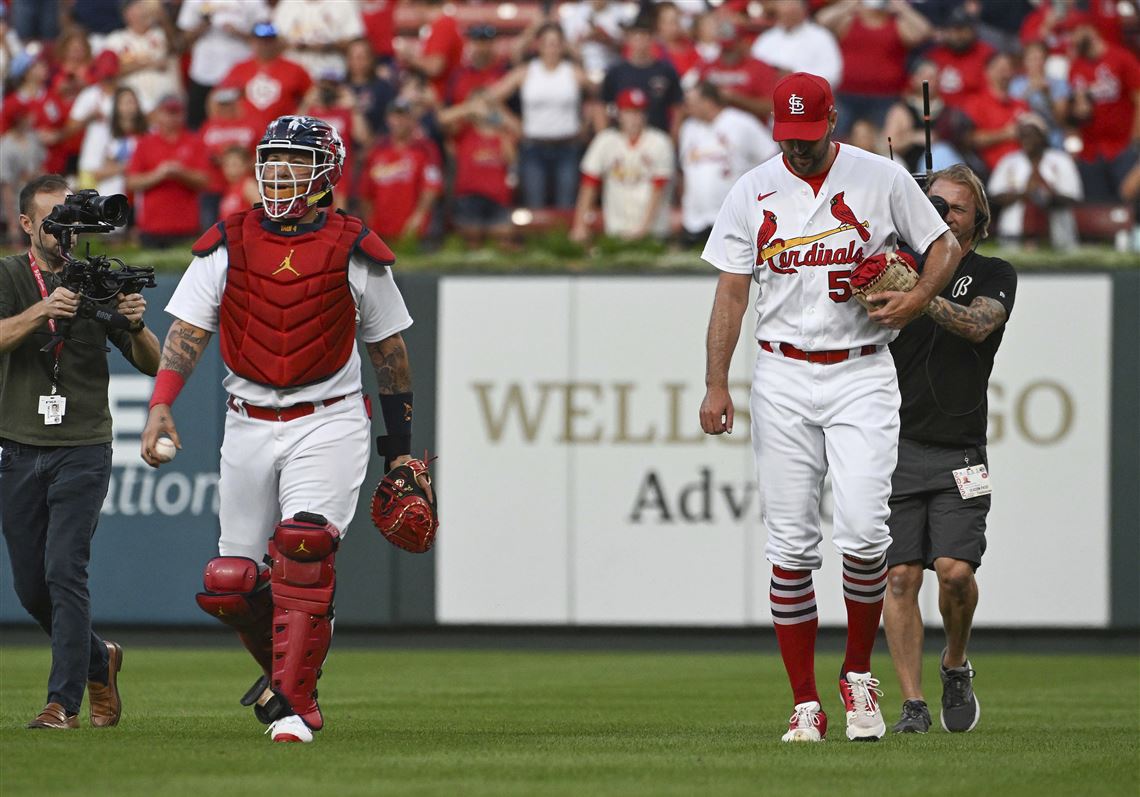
{"type": "Point", "coordinates": [290, 181]}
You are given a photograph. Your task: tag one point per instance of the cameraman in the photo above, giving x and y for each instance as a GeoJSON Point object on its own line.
{"type": "Point", "coordinates": [940, 491]}
{"type": "Point", "coordinates": [55, 455]}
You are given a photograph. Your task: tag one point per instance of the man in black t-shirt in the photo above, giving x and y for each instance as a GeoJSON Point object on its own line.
{"type": "Point", "coordinates": [642, 69]}
{"type": "Point", "coordinates": [940, 491]}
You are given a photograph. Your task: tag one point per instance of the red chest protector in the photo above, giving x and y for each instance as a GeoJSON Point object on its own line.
{"type": "Point", "coordinates": [287, 316]}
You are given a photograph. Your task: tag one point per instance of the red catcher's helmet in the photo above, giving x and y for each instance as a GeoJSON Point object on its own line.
{"type": "Point", "coordinates": [288, 186]}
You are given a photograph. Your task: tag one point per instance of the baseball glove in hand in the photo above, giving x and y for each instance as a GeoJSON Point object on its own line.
{"type": "Point", "coordinates": [886, 271]}
{"type": "Point", "coordinates": [403, 507]}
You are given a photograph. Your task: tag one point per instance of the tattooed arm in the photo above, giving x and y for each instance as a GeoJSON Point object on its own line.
{"type": "Point", "coordinates": [180, 354]}
{"type": "Point", "coordinates": [183, 348]}
{"type": "Point", "coordinates": [974, 323]}
{"type": "Point", "coordinates": [390, 359]}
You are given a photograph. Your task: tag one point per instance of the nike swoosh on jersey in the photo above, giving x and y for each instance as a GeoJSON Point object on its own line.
{"type": "Point", "coordinates": [762, 197]}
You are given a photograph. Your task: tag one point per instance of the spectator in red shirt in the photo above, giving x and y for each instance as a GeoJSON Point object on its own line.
{"type": "Point", "coordinates": [994, 113]}
{"type": "Point", "coordinates": [225, 127]}
{"type": "Point", "coordinates": [271, 84]}
{"type": "Point", "coordinates": [168, 172]}
{"type": "Point", "coordinates": [1053, 24]}
{"type": "Point", "coordinates": [379, 17]}
{"type": "Point", "coordinates": [442, 49]}
{"type": "Point", "coordinates": [480, 68]}
{"type": "Point", "coordinates": [485, 139]}
{"type": "Point", "coordinates": [402, 180]}
{"type": "Point", "coordinates": [72, 56]}
{"type": "Point", "coordinates": [961, 59]}
{"type": "Point", "coordinates": [744, 82]}
{"type": "Point", "coordinates": [675, 46]}
{"type": "Point", "coordinates": [875, 38]}
{"type": "Point", "coordinates": [1106, 104]}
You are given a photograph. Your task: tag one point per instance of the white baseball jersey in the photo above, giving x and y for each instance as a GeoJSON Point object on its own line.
{"type": "Point", "coordinates": [800, 247]}
{"type": "Point", "coordinates": [713, 156]}
{"type": "Point", "coordinates": [627, 170]}
{"type": "Point", "coordinates": [380, 309]}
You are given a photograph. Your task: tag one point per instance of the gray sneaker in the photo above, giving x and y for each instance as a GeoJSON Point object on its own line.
{"type": "Point", "coordinates": [960, 708]}
{"type": "Point", "coordinates": [915, 718]}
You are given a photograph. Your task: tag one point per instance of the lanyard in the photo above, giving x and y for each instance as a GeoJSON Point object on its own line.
{"type": "Point", "coordinates": [58, 348]}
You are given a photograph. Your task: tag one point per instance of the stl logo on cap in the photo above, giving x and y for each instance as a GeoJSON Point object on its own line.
{"type": "Point", "coordinates": [796, 104]}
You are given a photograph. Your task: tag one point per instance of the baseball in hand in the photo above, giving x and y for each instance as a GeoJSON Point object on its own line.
{"type": "Point", "coordinates": [164, 449]}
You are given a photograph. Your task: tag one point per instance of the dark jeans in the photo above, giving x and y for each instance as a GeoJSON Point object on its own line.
{"type": "Point", "coordinates": [35, 19]}
{"type": "Point", "coordinates": [548, 173]}
{"type": "Point", "coordinates": [49, 506]}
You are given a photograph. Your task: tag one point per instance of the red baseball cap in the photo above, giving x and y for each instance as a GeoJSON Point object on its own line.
{"type": "Point", "coordinates": [103, 67]}
{"type": "Point", "coordinates": [634, 99]}
{"type": "Point", "coordinates": [801, 103]}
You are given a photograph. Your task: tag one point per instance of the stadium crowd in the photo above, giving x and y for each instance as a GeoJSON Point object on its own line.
{"type": "Point", "coordinates": [487, 118]}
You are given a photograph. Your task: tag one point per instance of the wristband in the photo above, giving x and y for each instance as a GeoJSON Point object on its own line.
{"type": "Point", "coordinates": [397, 411]}
{"type": "Point", "coordinates": [167, 385]}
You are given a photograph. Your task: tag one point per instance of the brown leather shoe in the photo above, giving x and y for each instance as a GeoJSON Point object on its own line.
{"type": "Point", "coordinates": [53, 716]}
{"type": "Point", "coordinates": [103, 699]}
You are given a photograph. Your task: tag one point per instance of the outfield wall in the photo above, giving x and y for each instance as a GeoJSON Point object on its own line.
{"type": "Point", "coordinates": [576, 487]}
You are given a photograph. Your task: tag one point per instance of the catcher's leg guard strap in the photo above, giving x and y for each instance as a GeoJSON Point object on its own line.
{"type": "Point", "coordinates": [237, 593]}
{"type": "Point", "coordinates": [303, 580]}
{"type": "Point", "coordinates": [268, 706]}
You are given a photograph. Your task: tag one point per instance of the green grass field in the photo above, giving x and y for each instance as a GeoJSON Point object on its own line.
{"type": "Point", "coordinates": [525, 723]}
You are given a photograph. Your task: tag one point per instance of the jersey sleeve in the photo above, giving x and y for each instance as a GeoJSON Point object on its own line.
{"type": "Point", "coordinates": [916, 220]}
{"type": "Point", "coordinates": [730, 246]}
{"type": "Point", "coordinates": [198, 296]}
{"type": "Point", "coordinates": [664, 160]}
{"type": "Point", "coordinates": [379, 303]}
{"type": "Point", "coordinates": [594, 161]}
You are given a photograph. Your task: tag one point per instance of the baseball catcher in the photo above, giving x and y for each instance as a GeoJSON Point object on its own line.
{"type": "Point", "coordinates": [288, 286]}
{"type": "Point", "coordinates": [886, 271]}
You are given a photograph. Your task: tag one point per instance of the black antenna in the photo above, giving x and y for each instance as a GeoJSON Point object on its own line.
{"type": "Point", "coordinates": [926, 125]}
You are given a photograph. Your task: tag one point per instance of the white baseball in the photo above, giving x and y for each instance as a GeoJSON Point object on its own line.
{"type": "Point", "coordinates": [164, 449]}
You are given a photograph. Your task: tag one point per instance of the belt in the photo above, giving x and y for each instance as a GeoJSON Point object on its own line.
{"type": "Point", "coordinates": [821, 357]}
{"type": "Point", "coordinates": [282, 414]}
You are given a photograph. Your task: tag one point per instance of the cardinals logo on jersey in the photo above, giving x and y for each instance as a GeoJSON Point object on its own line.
{"type": "Point", "coordinates": [785, 256]}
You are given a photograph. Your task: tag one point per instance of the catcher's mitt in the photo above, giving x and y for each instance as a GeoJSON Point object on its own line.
{"type": "Point", "coordinates": [403, 507]}
{"type": "Point", "coordinates": [886, 271]}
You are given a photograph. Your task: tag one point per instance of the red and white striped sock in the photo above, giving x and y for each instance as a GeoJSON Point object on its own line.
{"type": "Point", "coordinates": [864, 586]}
{"type": "Point", "coordinates": [792, 596]}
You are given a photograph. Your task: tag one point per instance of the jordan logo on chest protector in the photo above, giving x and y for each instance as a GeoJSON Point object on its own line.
{"type": "Point", "coordinates": [286, 265]}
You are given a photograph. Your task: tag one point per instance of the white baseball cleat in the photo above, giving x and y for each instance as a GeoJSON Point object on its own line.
{"type": "Point", "coordinates": [808, 723]}
{"type": "Point", "coordinates": [290, 729]}
{"type": "Point", "coordinates": [864, 720]}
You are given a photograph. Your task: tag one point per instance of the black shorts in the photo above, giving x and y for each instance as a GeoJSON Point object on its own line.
{"type": "Point", "coordinates": [929, 518]}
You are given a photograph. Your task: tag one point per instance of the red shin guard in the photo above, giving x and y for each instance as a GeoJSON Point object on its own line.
{"type": "Point", "coordinates": [303, 581]}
